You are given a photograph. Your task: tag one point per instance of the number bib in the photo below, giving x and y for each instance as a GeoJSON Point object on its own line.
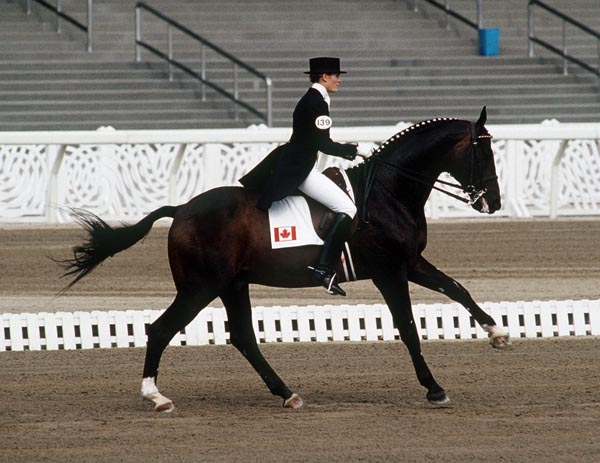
{"type": "Point", "coordinates": [323, 122]}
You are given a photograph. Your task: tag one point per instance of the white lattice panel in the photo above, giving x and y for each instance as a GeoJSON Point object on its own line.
{"type": "Point", "coordinates": [24, 173]}
{"type": "Point", "coordinates": [116, 181]}
{"type": "Point", "coordinates": [123, 175]}
{"type": "Point", "coordinates": [579, 177]}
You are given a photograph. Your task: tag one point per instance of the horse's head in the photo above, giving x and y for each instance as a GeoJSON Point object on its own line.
{"type": "Point", "coordinates": [474, 167]}
{"type": "Point", "coordinates": [415, 157]}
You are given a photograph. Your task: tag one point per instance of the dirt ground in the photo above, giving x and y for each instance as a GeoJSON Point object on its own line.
{"type": "Point", "coordinates": [535, 402]}
{"type": "Point", "coordinates": [496, 260]}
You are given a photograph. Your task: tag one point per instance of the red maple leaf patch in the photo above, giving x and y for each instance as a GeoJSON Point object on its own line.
{"type": "Point", "coordinates": [285, 233]}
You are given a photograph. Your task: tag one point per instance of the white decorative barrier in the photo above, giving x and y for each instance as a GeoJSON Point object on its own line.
{"type": "Point", "coordinates": [549, 169]}
{"type": "Point", "coordinates": [87, 330]}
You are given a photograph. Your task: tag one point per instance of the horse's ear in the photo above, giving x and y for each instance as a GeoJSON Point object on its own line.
{"type": "Point", "coordinates": [482, 118]}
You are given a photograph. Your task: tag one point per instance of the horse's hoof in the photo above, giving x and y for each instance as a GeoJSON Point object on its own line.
{"type": "Point", "coordinates": [437, 398]}
{"type": "Point", "coordinates": [500, 342]}
{"type": "Point", "coordinates": [497, 336]}
{"type": "Point", "coordinates": [165, 407]}
{"type": "Point", "coordinates": [150, 392]}
{"type": "Point", "coordinates": [294, 402]}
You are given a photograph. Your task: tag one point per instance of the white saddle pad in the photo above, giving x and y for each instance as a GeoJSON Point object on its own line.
{"type": "Point", "coordinates": [290, 224]}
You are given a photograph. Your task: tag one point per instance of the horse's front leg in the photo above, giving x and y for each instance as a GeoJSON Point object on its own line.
{"type": "Point", "coordinates": [425, 274]}
{"type": "Point", "coordinates": [394, 289]}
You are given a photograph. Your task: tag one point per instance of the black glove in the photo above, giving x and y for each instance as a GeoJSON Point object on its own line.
{"type": "Point", "coordinates": [352, 156]}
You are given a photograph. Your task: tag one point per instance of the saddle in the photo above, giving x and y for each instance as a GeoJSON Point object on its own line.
{"type": "Point", "coordinates": [299, 220]}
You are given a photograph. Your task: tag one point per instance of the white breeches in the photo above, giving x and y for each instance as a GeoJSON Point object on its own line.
{"type": "Point", "coordinates": [323, 190]}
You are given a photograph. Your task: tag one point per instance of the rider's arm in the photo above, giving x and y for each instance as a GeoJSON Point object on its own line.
{"type": "Point", "coordinates": [322, 124]}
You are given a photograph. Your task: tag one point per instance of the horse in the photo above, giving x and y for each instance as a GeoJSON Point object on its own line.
{"type": "Point", "coordinates": [219, 244]}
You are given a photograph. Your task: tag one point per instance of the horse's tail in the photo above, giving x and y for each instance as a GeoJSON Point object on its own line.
{"type": "Point", "coordinates": [105, 241]}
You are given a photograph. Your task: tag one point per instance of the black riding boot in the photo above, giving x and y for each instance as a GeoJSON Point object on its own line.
{"type": "Point", "coordinates": [324, 273]}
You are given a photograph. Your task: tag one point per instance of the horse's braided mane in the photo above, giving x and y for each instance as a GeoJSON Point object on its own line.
{"type": "Point", "coordinates": [392, 142]}
{"type": "Point", "coordinates": [395, 139]}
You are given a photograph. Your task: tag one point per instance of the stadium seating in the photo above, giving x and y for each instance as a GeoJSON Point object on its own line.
{"type": "Point", "coordinates": [403, 65]}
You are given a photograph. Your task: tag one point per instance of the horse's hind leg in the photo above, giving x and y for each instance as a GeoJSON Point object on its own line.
{"type": "Point", "coordinates": [425, 274]}
{"type": "Point", "coordinates": [236, 299]}
{"type": "Point", "coordinates": [182, 311]}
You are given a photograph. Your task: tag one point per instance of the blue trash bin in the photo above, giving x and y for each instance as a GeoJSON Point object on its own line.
{"type": "Point", "coordinates": [489, 42]}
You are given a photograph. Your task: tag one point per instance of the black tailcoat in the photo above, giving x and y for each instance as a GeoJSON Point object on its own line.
{"type": "Point", "coordinates": [288, 165]}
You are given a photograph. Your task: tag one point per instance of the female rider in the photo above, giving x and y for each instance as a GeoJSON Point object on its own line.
{"type": "Point", "coordinates": [292, 166]}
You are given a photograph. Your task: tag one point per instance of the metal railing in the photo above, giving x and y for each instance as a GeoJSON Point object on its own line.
{"type": "Point", "coordinates": [445, 7]}
{"type": "Point", "coordinates": [564, 51]}
{"type": "Point", "coordinates": [266, 116]}
{"type": "Point", "coordinates": [57, 10]}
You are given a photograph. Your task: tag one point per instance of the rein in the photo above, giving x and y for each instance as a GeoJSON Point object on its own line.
{"type": "Point", "coordinates": [474, 194]}
{"type": "Point", "coordinates": [420, 178]}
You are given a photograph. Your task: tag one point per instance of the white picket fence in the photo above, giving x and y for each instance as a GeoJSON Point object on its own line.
{"type": "Point", "coordinates": [88, 330]}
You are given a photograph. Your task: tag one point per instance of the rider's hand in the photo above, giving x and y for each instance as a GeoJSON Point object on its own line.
{"type": "Point", "coordinates": [352, 156]}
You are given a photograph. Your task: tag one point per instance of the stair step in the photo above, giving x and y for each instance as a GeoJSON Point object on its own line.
{"type": "Point", "coordinates": [402, 65]}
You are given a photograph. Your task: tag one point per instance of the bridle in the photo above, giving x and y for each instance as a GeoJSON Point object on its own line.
{"type": "Point", "coordinates": [475, 169]}
{"type": "Point", "coordinates": [475, 172]}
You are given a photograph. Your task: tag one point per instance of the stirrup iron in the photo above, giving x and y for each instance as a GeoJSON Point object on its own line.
{"type": "Point", "coordinates": [328, 281]}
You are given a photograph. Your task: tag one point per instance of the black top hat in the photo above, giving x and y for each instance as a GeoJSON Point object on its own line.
{"type": "Point", "coordinates": [325, 65]}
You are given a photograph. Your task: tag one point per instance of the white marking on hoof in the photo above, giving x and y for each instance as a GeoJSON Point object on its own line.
{"type": "Point", "coordinates": [445, 400]}
{"type": "Point", "coordinates": [294, 402]}
{"type": "Point", "coordinates": [150, 392]}
{"type": "Point", "coordinates": [498, 337]}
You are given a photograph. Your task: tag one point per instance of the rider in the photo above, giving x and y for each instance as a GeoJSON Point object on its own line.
{"type": "Point", "coordinates": [292, 166]}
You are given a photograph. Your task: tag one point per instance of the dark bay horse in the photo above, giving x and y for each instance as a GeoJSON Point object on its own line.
{"type": "Point", "coordinates": [219, 243]}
